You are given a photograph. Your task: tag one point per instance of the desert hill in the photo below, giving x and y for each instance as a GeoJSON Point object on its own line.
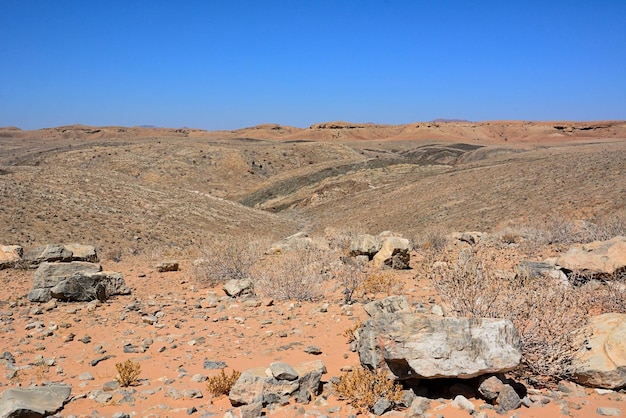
{"type": "Point", "coordinates": [140, 188]}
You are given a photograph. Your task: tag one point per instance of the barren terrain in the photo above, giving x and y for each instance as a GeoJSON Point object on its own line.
{"type": "Point", "coordinates": [145, 195]}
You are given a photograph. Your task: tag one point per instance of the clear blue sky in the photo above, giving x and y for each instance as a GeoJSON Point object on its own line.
{"type": "Point", "coordinates": [227, 64]}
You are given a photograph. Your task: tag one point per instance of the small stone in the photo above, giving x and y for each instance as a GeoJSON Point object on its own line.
{"type": "Point", "coordinates": [149, 319]}
{"type": "Point", "coordinates": [312, 349]}
{"type": "Point", "coordinates": [111, 386]}
{"type": "Point", "coordinates": [85, 376]}
{"type": "Point", "coordinates": [85, 339]}
{"type": "Point", "coordinates": [508, 399]}
{"type": "Point", "coordinates": [461, 402]}
{"type": "Point", "coordinates": [211, 365]}
{"type": "Point", "coordinates": [103, 397]}
{"type": "Point", "coordinates": [283, 371]}
{"type": "Point", "coordinates": [166, 266]}
{"type": "Point", "coordinates": [199, 378]}
{"type": "Point", "coordinates": [608, 412]}
{"type": "Point", "coordinates": [381, 406]}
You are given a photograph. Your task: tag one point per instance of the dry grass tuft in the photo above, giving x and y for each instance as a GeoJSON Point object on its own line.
{"type": "Point", "coordinates": [229, 258]}
{"type": "Point", "coordinates": [128, 372]}
{"type": "Point", "coordinates": [222, 383]}
{"type": "Point", "coordinates": [363, 388]}
{"type": "Point", "coordinates": [293, 275]}
{"type": "Point", "coordinates": [384, 281]}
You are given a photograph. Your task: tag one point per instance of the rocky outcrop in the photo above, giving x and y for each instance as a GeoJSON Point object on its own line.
{"type": "Point", "coordinates": [409, 345]}
{"type": "Point", "coordinates": [33, 402]}
{"type": "Point", "coordinates": [597, 259]}
{"type": "Point", "coordinates": [600, 360]}
{"type": "Point", "coordinates": [75, 281]}
{"type": "Point", "coordinates": [60, 252]}
{"type": "Point", "coordinates": [277, 384]}
{"type": "Point", "coordinates": [393, 253]}
{"type": "Point", "coordinates": [10, 255]}
{"type": "Point", "coordinates": [239, 288]}
{"type": "Point", "coordinates": [365, 244]}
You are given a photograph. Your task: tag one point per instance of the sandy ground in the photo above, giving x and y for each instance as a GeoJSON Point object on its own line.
{"type": "Point", "coordinates": [189, 332]}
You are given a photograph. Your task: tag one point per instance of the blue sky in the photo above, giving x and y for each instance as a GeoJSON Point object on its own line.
{"type": "Point", "coordinates": [234, 63]}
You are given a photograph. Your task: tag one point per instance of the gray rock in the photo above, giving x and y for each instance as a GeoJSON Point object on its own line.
{"type": "Point", "coordinates": [387, 305]}
{"type": "Point", "coordinates": [608, 412]}
{"type": "Point", "coordinates": [283, 371]}
{"type": "Point", "coordinates": [49, 274]}
{"type": "Point", "coordinates": [50, 252]}
{"type": "Point", "coordinates": [313, 349]}
{"type": "Point", "coordinates": [211, 365]}
{"type": "Point", "coordinates": [409, 345]}
{"type": "Point", "coordinates": [239, 288]}
{"type": "Point", "coordinates": [84, 287]}
{"type": "Point", "coordinates": [418, 407]}
{"type": "Point", "coordinates": [255, 386]}
{"type": "Point", "coordinates": [461, 402]}
{"type": "Point", "coordinates": [245, 411]}
{"type": "Point", "coordinates": [365, 244]}
{"type": "Point", "coordinates": [508, 399]}
{"type": "Point", "coordinates": [33, 401]}
{"type": "Point", "coordinates": [381, 406]}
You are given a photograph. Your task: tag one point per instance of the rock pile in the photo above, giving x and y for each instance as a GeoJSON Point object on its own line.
{"type": "Point", "coordinates": [383, 250]}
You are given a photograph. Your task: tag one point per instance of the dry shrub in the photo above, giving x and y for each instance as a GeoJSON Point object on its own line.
{"type": "Point", "coordinates": [433, 240]}
{"type": "Point", "coordinates": [351, 333]}
{"type": "Point", "coordinates": [293, 275]}
{"type": "Point", "coordinates": [222, 383]}
{"type": "Point", "coordinates": [544, 310]}
{"type": "Point", "coordinates": [363, 388]}
{"type": "Point", "coordinates": [351, 275]}
{"type": "Point", "coordinates": [128, 372]}
{"type": "Point", "coordinates": [611, 226]}
{"type": "Point", "coordinates": [229, 258]}
{"type": "Point", "coordinates": [384, 281]}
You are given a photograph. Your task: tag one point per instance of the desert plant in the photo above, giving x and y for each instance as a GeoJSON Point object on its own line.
{"type": "Point", "coordinates": [230, 258]}
{"type": "Point", "coordinates": [384, 281]}
{"type": "Point", "coordinates": [351, 333]}
{"type": "Point", "coordinates": [222, 383]}
{"type": "Point", "coordinates": [363, 388]}
{"type": "Point", "coordinates": [128, 372]}
{"type": "Point", "coordinates": [293, 275]}
{"type": "Point", "coordinates": [433, 240]}
{"type": "Point", "coordinates": [545, 311]}
{"type": "Point", "coordinates": [351, 275]}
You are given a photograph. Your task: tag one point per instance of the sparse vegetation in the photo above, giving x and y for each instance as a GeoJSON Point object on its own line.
{"type": "Point", "coordinates": [544, 311]}
{"type": "Point", "coordinates": [128, 373]}
{"type": "Point", "coordinates": [363, 388]}
{"type": "Point", "coordinates": [221, 384]}
{"type": "Point", "coordinates": [293, 275]}
{"type": "Point", "coordinates": [230, 258]}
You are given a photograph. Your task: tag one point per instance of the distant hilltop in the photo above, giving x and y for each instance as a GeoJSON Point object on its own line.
{"type": "Point", "coordinates": [436, 130]}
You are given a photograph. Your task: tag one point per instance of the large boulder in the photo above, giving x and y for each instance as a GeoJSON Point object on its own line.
{"type": "Point", "coordinates": [84, 287]}
{"type": "Point", "coordinates": [33, 402]}
{"type": "Point", "coordinates": [75, 281]}
{"type": "Point", "coordinates": [394, 253]}
{"type": "Point", "coordinates": [600, 360]}
{"type": "Point", "coordinates": [599, 258]}
{"type": "Point", "coordinates": [273, 385]}
{"type": "Point", "coordinates": [60, 252]}
{"type": "Point", "coordinates": [10, 255]}
{"type": "Point", "coordinates": [412, 345]}
{"type": "Point", "coordinates": [365, 244]}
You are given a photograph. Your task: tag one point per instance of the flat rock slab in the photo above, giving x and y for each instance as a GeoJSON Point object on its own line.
{"type": "Point", "coordinates": [10, 255]}
{"type": "Point", "coordinates": [603, 258]}
{"type": "Point", "coordinates": [601, 357]}
{"type": "Point", "coordinates": [33, 401]}
{"type": "Point", "coordinates": [410, 345]}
